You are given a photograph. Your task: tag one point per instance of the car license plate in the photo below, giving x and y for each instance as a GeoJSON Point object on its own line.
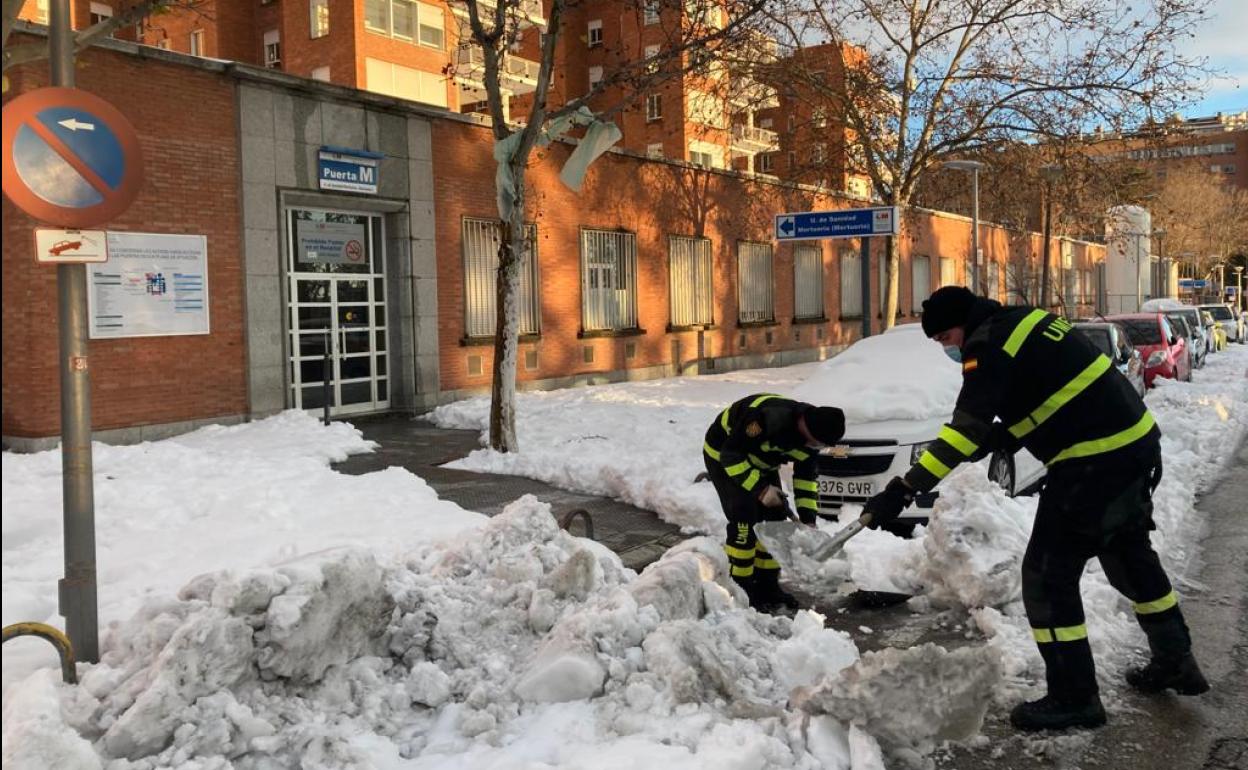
{"type": "Point", "coordinates": [845, 488]}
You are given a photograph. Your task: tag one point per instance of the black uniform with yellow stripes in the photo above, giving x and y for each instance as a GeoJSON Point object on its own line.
{"type": "Point", "coordinates": [1067, 404]}
{"type": "Point", "coordinates": [744, 449]}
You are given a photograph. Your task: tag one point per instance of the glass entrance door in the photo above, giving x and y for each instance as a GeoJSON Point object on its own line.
{"type": "Point", "coordinates": [337, 311]}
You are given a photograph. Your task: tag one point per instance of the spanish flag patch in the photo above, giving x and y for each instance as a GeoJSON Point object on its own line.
{"type": "Point", "coordinates": [970, 365]}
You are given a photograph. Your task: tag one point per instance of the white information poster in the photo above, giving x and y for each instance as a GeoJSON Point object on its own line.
{"type": "Point", "coordinates": [152, 285]}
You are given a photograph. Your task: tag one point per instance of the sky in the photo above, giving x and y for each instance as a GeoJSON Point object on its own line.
{"type": "Point", "coordinates": [1222, 38]}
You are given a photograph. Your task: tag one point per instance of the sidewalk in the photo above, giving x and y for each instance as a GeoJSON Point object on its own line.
{"type": "Point", "coordinates": [638, 536]}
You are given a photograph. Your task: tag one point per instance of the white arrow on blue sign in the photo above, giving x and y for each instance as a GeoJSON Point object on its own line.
{"type": "Point", "coordinates": [846, 223]}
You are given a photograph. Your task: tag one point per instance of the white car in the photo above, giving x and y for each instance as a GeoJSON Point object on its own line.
{"type": "Point", "coordinates": [897, 390]}
{"type": "Point", "coordinates": [1234, 327]}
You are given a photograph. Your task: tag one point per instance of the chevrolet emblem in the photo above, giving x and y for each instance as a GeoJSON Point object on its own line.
{"type": "Point", "coordinates": [840, 451]}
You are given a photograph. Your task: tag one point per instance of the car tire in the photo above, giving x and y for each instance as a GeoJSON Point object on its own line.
{"type": "Point", "coordinates": [1001, 470]}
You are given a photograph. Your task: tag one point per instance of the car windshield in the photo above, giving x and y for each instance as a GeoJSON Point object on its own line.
{"type": "Point", "coordinates": [1099, 338]}
{"type": "Point", "coordinates": [1179, 323]}
{"type": "Point", "coordinates": [1142, 331]}
{"type": "Point", "coordinates": [1220, 312]}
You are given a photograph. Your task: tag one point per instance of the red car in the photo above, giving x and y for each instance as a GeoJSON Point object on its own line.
{"type": "Point", "coordinates": [1163, 349]}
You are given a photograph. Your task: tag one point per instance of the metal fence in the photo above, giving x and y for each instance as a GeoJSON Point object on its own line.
{"type": "Point", "coordinates": [691, 269]}
{"type": "Point", "coordinates": [808, 281]}
{"type": "Point", "coordinates": [480, 243]}
{"type": "Point", "coordinates": [755, 294]}
{"type": "Point", "coordinates": [851, 284]}
{"type": "Point", "coordinates": [608, 280]}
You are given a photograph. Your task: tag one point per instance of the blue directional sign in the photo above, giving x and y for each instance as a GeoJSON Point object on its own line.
{"type": "Point", "coordinates": [340, 168]}
{"type": "Point", "coordinates": [847, 223]}
{"type": "Point", "coordinates": [1193, 283]}
{"type": "Point", "coordinates": [70, 158]}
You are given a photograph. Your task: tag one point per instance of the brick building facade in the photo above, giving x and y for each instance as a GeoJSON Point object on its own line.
{"type": "Point", "coordinates": [232, 154]}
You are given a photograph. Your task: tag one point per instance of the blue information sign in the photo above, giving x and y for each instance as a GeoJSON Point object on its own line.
{"type": "Point", "coordinates": [847, 223]}
{"type": "Point", "coordinates": [1193, 283]}
{"type": "Point", "coordinates": [352, 170]}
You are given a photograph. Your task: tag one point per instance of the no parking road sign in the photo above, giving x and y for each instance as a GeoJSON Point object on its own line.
{"type": "Point", "coordinates": [70, 158]}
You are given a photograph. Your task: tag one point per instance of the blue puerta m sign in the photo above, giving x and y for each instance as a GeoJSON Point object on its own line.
{"type": "Point", "coordinates": [339, 168]}
{"type": "Point", "coordinates": [846, 223]}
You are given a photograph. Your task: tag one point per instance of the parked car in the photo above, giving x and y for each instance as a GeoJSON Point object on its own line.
{"type": "Point", "coordinates": [1233, 326]}
{"type": "Point", "coordinates": [1217, 332]}
{"type": "Point", "coordinates": [1163, 350]}
{"type": "Point", "coordinates": [1195, 338]}
{"type": "Point", "coordinates": [1112, 340]}
{"type": "Point", "coordinates": [1202, 342]}
{"type": "Point", "coordinates": [898, 389]}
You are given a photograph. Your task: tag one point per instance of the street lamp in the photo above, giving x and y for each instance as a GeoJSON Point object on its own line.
{"type": "Point", "coordinates": [974, 167]}
{"type": "Point", "coordinates": [1051, 172]}
{"type": "Point", "coordinates": [1239, 282]}
{"type": "Point", "coordinates": [1159, 233]}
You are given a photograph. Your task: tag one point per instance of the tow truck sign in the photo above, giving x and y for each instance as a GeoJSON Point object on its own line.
{"type": "Point", "coordinates": [70, 246]}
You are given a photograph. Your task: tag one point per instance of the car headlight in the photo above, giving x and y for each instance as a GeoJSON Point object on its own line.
{"type": "Point", "coordinates": [917, 450]}
{"type": "Point", "coordinates": [1155, 358]}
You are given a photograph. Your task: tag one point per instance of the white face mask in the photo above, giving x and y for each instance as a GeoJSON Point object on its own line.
{"type": "Point", "coordinates": [954, 352]}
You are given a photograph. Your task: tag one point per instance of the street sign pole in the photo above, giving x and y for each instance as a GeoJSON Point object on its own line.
{"type": "Point", "coordinates": [866, 286]}
{"type": "Point", "coordinates": [78, 588]}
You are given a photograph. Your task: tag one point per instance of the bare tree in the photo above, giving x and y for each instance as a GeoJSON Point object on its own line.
{"type": "Point", "coordinates": [939, 79]}
{"type": "Point", "coordinates": [1205, 219]}
{"type": "Point", "coordinates": [693, 31]}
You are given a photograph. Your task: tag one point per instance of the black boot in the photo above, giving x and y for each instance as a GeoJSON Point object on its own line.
{"type": "Point", "coordinates": [1179, 674]}
{"type": "Point", "coordinates": [1056, 713]}
{"type": "Point", "coordinates": [766, 595]}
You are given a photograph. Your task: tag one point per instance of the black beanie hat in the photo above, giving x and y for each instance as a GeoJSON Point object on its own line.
{"type": "Point", "coordinates": [949, 306]}
{"type": "Point", "coordinates": [825, 423]}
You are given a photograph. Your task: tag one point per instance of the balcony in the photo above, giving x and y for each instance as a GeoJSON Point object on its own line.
{"type": "Point", "coordinates": [749, 140]}
{"type": "Point", "coordinates": [530, 11]}
{"type": "Point", "coordinates": [517, 75]}
{"type": "Point", "coordinates": [749, 94]}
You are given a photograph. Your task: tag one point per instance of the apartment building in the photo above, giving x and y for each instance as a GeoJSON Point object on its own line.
{"type": "Point", "coordinates": [1216, 143]}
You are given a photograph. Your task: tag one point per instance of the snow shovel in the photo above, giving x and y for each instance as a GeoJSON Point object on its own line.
{"type": "Point", "coordinates": [780, 535]}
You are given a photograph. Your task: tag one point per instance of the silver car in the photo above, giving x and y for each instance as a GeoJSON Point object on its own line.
{"type": "Point", "coordinates": [1112, 340]}
{"type": "Point", "coordinates": [1234, 327]}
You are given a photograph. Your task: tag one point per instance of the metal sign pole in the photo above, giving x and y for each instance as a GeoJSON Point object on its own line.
{"type": "Point", "coordinates": [78, 588]}
{"type": "Point", "coordinates": [866, 286]}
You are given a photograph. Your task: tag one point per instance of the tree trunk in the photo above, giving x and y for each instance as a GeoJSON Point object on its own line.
{"type": "Point", "coordinates": [893, 253]}
{"type": "Point", "coordinates": [513, 245]}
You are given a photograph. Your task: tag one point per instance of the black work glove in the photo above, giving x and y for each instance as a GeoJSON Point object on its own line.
{"type": "Point", "coordinates": [888, 505]}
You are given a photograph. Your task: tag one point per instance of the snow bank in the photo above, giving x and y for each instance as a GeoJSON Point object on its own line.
{"type": "Point", "coordinates": [516, 645]}
{"type": "Point", "coordinates": [898, 375]}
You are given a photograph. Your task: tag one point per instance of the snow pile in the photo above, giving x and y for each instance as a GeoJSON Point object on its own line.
{"type": "Point", "coordinates": [898, 375]}
{"type": "Point", "coordinates": [518, 645]}
{"type": "Point", "coordinates": [640, 442]}
{"type": "Point", "coordinates": [236, 497]}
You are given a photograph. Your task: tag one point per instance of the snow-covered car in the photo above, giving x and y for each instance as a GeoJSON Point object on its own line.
{"type": "Point", "coordinates": [1217, 332]}
{"type": "Point", "coordinates": [1112, 340]}
{"type": "Point", "coordinates": [897, 390]}
{"type": "Point", "coordinates": [1233, 326]}
{"type": "Point", "coordinates": [1199, 335]}
{"type": "Point", "coordinates": [1164, 351]}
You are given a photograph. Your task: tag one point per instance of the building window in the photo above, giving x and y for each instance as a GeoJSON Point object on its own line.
{"type": "Point", "coordinates": [654, 150]}
{"type": "Point", "coordinates": [403, 20]}
{"type": "Point", "coordinates": [383, 77]}
{"type": "Point", "coordinates": [272, 49]}
{"type": "Point", "coordinates": [920, 282]}
{"type": "Point", "coordinates": [595, 76]}
{"type": "Point", "coordinates": [765, 123]}
{"type": "Point", "coordinates": [321, 73]}
{"type": "Point", "coordinates": [41, 12]}
{"type": "Point", "coordinates": [197, 42]}
{"type": "Point", "coordinates": [992, 288]}
{"type": "Point", "coordinates": [432, 26]}
{"type": "Point", "coordinates": [766, 162]}
{"type": "Point", "coordinates": [377, 16]}
{"type": "Point", "coordinates": [99, 12]}
{"type": "Point", "coordinates": [654, 107]}
{"type": "Point", "coordinates": [818, 154]}
{"type": "Point", "coordinates": [318, 18]}
{"type": "Point", "coordinates": [692, 272]}
{"type": "Point", "coordinates": [650, 14]}
{"type": "Point", "coordinates": [651, 56]}
{"type": "Point", "coordinates": [819, 117]}
{"type": "Point", "coordinates": [608, 280]}
{"type": "Point", "coordinates": [808, 281]}
{"type": "Point", "coordinates": [701, 159]}
{"type": "Point", "coordinates": [595, 33]}
{"type": "Point", "coordinates": [948, 272]}
{"type": "Point", "coordinates": [480, 244]}
{"type": "Point", "coordinates": [851, 284]}
{"type": "Point", "coordinates": [755, 297]}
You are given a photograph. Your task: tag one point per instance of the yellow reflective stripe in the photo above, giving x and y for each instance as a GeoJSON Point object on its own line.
{"type": "Point", "coordinates": [1019, 335]}
{"type": "Point", "coordinates": [762, 398]}
{"type": "Point", "coordinates": [742, 571]}
{"type": "Point", "coordinates": [1063, 634]}
{"type": "Point", "coordinates": [711, 451]}
{"type": "Point", "coordinates": [750, 481]}
{"type": "Point", "coordinates": [757, 462]}
{"type": "Point", "coordinates": [934, 466]}
{"type": "Point", "coordinates": [738, 469]}
{"type": "Point", "coordinates": [723, 421]}
{"type": "Point", "coordinates": [1109, 443]}
{"type": "Point", "coordinates": [1059, 399]}
{"type": "Point", "coordinates": [798, 454]}
{"type": "Point", "coordinates": [805, 486]}
{"type": "Point", "coordinates": [957, 441]}
{"type": "Point", "coordinates": [738, 553]}
{"type": "Point", "coordinates": [1157, 605]}
{"type": "Point", "coordinates": [806, 502]}
{"type": "Point", "coordinates": [766, 564]}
